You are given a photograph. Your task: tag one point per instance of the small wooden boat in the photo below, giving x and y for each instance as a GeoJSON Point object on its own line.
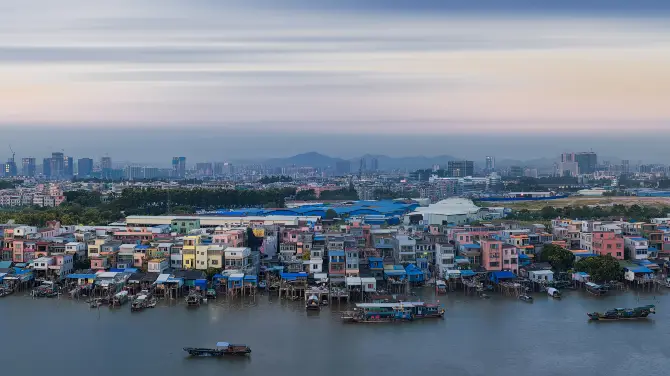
{"type": "Point", "coordinates": [211, 294]}
{"type": "Point", "coordinates": [193, 299]}
{"type": "Point", "coordinates": [623, 313]}
{"type": "Point", "coordinates": [313, 303]}
{"type": "Point", "coordinates": [221, 349]}
{"type": "Point", "coordinates": [441, 287]}
{"type": "Point", "coordinates": [554, 293]}
{"type": "Point", "coordinates": [526, 298]}
{"type": "Point", "coordinates": [139, 303]}
{"type": "Point", "coordinates": [119, 299]}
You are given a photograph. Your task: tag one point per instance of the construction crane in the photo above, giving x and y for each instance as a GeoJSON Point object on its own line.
{"type": "Point", "coordinates": [13, 153]}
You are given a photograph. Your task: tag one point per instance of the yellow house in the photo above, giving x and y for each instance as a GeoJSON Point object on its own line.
{"type": "Point", "coordinates": [201, 256]}
{"type": "Point", "coordinates": [189, 249]}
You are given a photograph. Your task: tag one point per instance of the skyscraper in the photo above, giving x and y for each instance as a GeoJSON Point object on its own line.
{"type": "Point", "coordinates": [46, 167]}
{"type": "Point", "coordinates": [587, 162]}
{"type": "Point", "coordinates": [84, 167]}
{"type": "Point", "coordinates": [459, 169]}
{"type": "Point", "coordinates": [28, 167]}
{"type": "Point", "coordinates": [57, 165]}
{"type": "Point", "coordinates": [204, 168]}
{"type": "Point", "coordinates": [9, 168]}
{"type": "Point", "coordinates": [374, 164]}
{"type": "Point", "coordinates": [178, 167]}
{"type": "Point", "coordinates": [105, 163]}
{"type": "Point", "coordinates": [490, 163]}
{"type": "Point", "coordinates": [68, 167]}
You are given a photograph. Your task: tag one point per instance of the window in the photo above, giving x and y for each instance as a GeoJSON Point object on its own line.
{"type": "Point", "coordinates": [215, 262]}
{"type": "Point", "coordinates": [618, 254]}
{"type": "Point", "coordinates": [494, 264]}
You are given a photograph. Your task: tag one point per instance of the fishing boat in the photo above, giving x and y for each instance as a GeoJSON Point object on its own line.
{"type": "Point", "coordinates": [428, 311]}
{"type": "Point", "coordinates": [119, 299]}
{"type": "Point", "coordinates": [595, 288]}
{"type": "Point", "coordinates": [221, 349]}
{"type": "Point", "coordinates": [623, 313]}
{"type": "Point", "coordinates": [139, 303]}
{"type": "Point", "coordinates": [381, 312]}
{"type": "Point", "coordinates": [526, 298]}
{"type": "Point", "coordinates": [193, 299]}
{"type": "Point", "coordinates": [211, 294]}
{"type": "Point", "coordinates": [554, 293]}
{"type": "Point", "coordinates": [313, 303]}
{"type": "Point", "coordinates": [47, 289]}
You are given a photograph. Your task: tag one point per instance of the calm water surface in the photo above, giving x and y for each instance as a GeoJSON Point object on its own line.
{"type": "Point", "coordinates": [500, 336]}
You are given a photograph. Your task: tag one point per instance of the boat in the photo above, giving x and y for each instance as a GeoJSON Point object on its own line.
{"type": "Point", "coordinates": [392, 312]}
{"type": "Point", "coordinates": [484, 296]}
{"type": "Point", "coordinates": [554, 293]}
{"type": "Point", "coordinates": [623, 313]}
{"type": "Point", "coordinates": [221, 349]}
{"type": "Point", "coordinates": [211, 294]}
{"type": "Point", "coordinates": [667, 282]}
{"type": "Point", "coordinates": [441, 287]}
{"type": "Point", "coordinates": [595, 288]}
{"type": "Point", "coordinates": [119, 299]}
{"type": "Point", "coordinates": [4, 291]}
{"type": "Point", "coordinates": [526, 298]}
{"type": "Point", "coordinates": [313, 303]}
{"type": "Point", "coordinates": [139, 303]}
{"type": "Point", "coordinates": [193, 299]}
{"type": "Point", "coordinates": [429, 311]}
{"type": "Point", "coordinates": [47, 289]}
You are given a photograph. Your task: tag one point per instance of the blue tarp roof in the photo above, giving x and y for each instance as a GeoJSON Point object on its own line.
{"type": "Point", "coordinates": [115, 270]}
{"type": "Point", "coordinates": [5, 264]}
{"type": "Point", "coordinates": [235, 278]}
{"type": "Point", "coordinates": [375, 259]}
{"type": "Point", "coordinates": [412, 269]}
{"type": "Point", "coordinates": [504, 274]}
{"type": "Point", "coordinates": [640, 269]}
{"type": "Point", "coordinates": [81, 276]}
{"type": "Point", "coordinates": [467, 273]}
{"type": "Point", "coordinates": [522, 256]}
{"type": "Point", "coordinates": [335, 253]}
{"type": "Point", "coordinates": [471, 246]}
{"type": "Point", "coordinates": [250, 278]}
{"type": "Point", "coordinates": [200, 282]}
{"type": "Point", "coordinates": [130, 270]}
{"type": "Point", "coordinates": [652, 249]}
{"type": "Point", "coordinates": [394, 272]}
{"type": "Point", "coordinates": [218, 276]}
{"type": "Point", "coordinates": [142, 247]}
{"type": "Point", "coordinates": [293, 276]}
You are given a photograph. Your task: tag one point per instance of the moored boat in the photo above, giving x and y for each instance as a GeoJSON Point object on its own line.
{"type": "Point", "coordinates": [313, 303]}
{"type": "Point", "coordinates": [526, 298]}
{"type": "Point", "coordinates": [222, 348]}
{"type": "Point", "coordinates": [595, 288]}
{"type": "Point", "coordinates": [441, 287]}
{"type": "Point", "coordinates": [95, 303]}
{"type": "Point", "coordinates": [382, 312]}
{"type": "Point", "coordinates": [119, 299]}
{"type": "Point", "coordinates": [623, 313]}
{"type": "Point", "coordinates": [554, 293]}
{"type": "Point", "coordinates": [4, 291]}
{"type": "Point", "coordinates": [139, 303]}
{"type": "Point", "coordinates": [193, 299]}
{"type": "Point", "coordinates": [47, 289]}
{"type": "Point", "coordinates": [211, 294]}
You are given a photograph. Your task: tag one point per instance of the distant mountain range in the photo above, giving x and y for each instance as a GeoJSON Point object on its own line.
{"type": "Point", "coordinates": [315, 159]}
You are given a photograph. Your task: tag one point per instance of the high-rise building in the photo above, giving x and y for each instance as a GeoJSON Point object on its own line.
{"type": "Point", "coordinates": [568, 165]}
{"type": "Point", "coordinates": [459, 169]}
{"type": "Point", "coordinates": [178, 167]}
{"type": "Point", "coordinates": [586, 161]}
{"type": "Point", "coordinates": [9, 168]}
{"type": "Point", "coordinates": [84, 167]}
{"type": "Point", "coordinates": [28, 166]}
{"type": "Point", "coordinates": [46, 167]}
{"type": "Point", "coordinates": [68, 167]}
{"type": "Point", "coordinates": [105, 163]}
{"type": "Point", "coordinates": [133, 172]}
{"type": "Point", "coordinates": [57, 165]}
{"type": "Point", "coordinates": [151, 172]}
{"type": "Point", "coordinates": [515, 171]}
{"type": "Point", "coordinates": [342, 167]}
{"type": "Point", "coordinates": [490, 163]}
{"type": "Point", "coordinates": [625, 166]}
{"type": "Point", "coordinates": [374, 164]}
{"type": "Point", "coordinates": [204, 168]}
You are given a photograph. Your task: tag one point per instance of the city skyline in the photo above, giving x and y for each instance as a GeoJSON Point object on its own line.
{"type": "Point", "coordinates": [302, 66]}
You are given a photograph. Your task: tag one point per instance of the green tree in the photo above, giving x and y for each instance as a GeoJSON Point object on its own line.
{"type": "Point", "coordinates": [548, 212]}
{"type": "Point", "coordinates": [331, 214]}
{"type": "Point", "coordinates": [600, 268]}
{"type": "Point", "coordinates": [560, 258]}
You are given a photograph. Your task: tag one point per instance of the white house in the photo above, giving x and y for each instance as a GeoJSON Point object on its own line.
{"type": "Point", "coordinates": [43, 263]}
{"type": "Point", "coordinates": [637, 247]}
{"type": "Point", "coordinates": [313, 265]}
{"type": "Point", "coordinates": [158, 265]}
{"type": "Point", "coordinates": [444, 256]}
{"type": "Point", "coordinates": [76, 248]}
{"type": "Point", "coordinates": [541, 275]}
{"type": "Point", "coordinates": [237, 258]}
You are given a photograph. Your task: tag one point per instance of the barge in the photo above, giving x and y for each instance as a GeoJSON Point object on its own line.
{"type": "Point", "coordinates": [221, 349]}
{"type": "Point", "coordinates": [623, 313]}
{"type": "Point", "coordinates": [392, 312]}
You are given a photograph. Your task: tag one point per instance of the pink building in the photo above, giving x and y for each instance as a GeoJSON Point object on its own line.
{"type": "Point", "coordinates": [497, 256]}
{"type": "Point", "coordinates": [232, 238]}
{"type": "Point", "coordinates": [608, 243]}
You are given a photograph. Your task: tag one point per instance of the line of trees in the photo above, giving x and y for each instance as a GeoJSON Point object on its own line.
{"type": "Point", "coordinates": [633, 212]}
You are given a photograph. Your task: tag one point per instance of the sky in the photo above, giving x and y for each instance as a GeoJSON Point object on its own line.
{"type": "Point", "coordinates": [337, 75]}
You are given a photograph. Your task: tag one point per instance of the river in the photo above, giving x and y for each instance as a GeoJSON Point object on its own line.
{"type": "Point", "coordinates": [499, 336]}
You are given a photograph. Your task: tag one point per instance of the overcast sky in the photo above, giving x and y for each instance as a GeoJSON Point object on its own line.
{"type": "Point", "coordinates": [422, 72]}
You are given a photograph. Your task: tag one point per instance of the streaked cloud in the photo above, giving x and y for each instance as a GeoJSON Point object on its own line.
{"type": "Point", "coordinates": [385, 64]}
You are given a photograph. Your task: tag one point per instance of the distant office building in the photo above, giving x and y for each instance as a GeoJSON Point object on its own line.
{"type": "Point", "coordinates": [133, 173]}
{"type": "Point", "coordinates": [9, 168]}
{"type": "Point", "coordinates": [515, 171]}
{"type": "Point", "coordinates": [84, 167]}
{"type": "Point", "coordinates": [151, 172]}
{"type": "Point", "coordinates": [28, 166]}
{"type": "Point", "coordinates": [68, 167]}
{"type": "Point", "coordinates": [342, 167]}
{"type": "Point", "coordinates": [374, 164]}
{"type": "Point", "coordinates": [57, 165]}
{"type": "Point", "coordinates": [179, 167]}
{"type": "Point", "coordinates": [568, 165]}
{"type": "Point", "coordinates": [363, 165]}
{"type": "Point", "coordinates": [106, 163]}
{"type": "Point", "coordinates": [46, 167]}
{"type": "Point", "coordinates": [204, 169]}
{"type": "Point", "coordinates": [587, 162]}
{"type": "Point", "coordinates": [459, 169]}
{"type": "Point", "coordinates": [530, 173]}
{"type": "Point", "coordinates": [223, 168]}
{"type": "Point", "coordinates": [625, 166]}
{"type": "Point", "coordinates": [490, 163]}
